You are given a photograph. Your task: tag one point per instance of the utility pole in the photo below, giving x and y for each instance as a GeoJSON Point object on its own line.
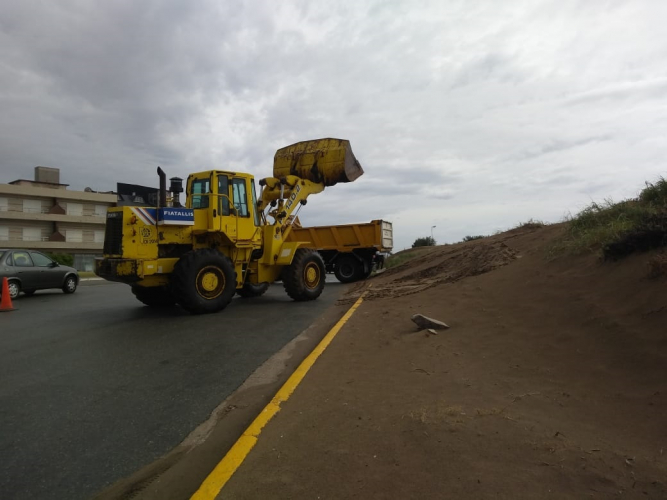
{"type": "Point", "coordinates": [432, 228]}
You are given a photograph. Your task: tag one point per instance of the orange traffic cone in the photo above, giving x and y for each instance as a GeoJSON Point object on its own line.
{"type": "Point", "coordinates": [6, 302]}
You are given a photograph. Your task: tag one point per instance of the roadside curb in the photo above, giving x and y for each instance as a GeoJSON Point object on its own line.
{"type": "Point", "coordinates": [229, 464]}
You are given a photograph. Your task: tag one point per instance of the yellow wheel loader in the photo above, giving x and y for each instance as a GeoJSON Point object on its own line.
{"type": "Point", "coordinates": [225, 239]}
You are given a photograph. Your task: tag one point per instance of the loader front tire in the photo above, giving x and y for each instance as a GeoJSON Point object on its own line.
{"type": "Point", "coordinates": [250, 290]}
{"type": "Point", "coordinates": [203, 281]}
{"type": "Point", "coordinates": [154, 296]}
{"type": "Point", "coordinates": [304, 278]}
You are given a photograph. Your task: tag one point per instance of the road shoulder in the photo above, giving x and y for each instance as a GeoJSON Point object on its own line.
{"type": "Point", "coordinates": [178, 474]}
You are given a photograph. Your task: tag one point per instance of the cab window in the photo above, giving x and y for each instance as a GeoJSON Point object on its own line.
{"type": "Point", "coordinates": [223, 189]}
{"type": "Point", "coordinates": [199, 193]}
{"type": "Point", "coordinates": [254, 205]}
{"type": "Point", "coordinates": [41, 260]}
{"type": "Point", "coordinates": [240, 198]}
{"type": "Point", "coordinates": [22, 259]}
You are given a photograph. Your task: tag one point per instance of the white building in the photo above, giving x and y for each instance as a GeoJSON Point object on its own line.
{"type": "Point", "coordinates": [44, 215]}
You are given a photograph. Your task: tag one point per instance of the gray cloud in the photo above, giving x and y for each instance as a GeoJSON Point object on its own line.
{"type": "Point", "coordinates": [471, 117]}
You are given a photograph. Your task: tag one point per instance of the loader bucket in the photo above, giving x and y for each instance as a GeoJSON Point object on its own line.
{"type": "Point", "coordinates": [329, 161]}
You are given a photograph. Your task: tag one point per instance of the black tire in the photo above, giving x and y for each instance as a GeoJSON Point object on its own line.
{"type": "Point", "coordinates": [304, 278]}
{"type": "Point", "coordinates": [348, 269]}
{"type": "Point", "coordinates": [70, 284]}
{"type": "Point", "coordinates": [203, 281]}
{"type": "Point", "coordinates": [251, 290]}
{"type": "Point", "coordinates": [29, 292]}
{"type": "Point", "coordinates": [154, 296]}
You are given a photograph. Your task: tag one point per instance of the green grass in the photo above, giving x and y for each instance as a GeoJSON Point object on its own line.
{"type": "Point", "coordinates": [87, 274]}
{"type": "Point", "coordinates": [472, 238]}
{"type": "Point", "coordinates": [531, 224]}
{"type": "Point", "coordinates": [605, 223]}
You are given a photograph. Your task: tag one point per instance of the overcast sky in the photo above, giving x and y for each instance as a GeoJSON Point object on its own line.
{"type": "Point", "coordinates": [472, 116]}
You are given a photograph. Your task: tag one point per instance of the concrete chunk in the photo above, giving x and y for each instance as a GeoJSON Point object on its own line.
{"type": "Point", "coordinates": [425, 322]}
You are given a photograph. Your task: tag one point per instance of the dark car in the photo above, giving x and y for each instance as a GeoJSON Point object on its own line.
{"type": "Point", "coordinates": [28, 271]}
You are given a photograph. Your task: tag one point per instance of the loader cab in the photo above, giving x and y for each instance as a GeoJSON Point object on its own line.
{"type": "Point", "coordinates": [229, 200]}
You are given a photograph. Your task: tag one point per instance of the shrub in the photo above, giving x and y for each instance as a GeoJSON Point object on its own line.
{"type": "Point", "coordinates": [472, 238]}
{"type": "Point", "coordinates": [531, 224]}
{"type": "Point", "coordinates": [426, 241]}
{"type": "Point", "coordinates": [64, 259]}
{"type": "Point", "coordinates": [618, 229]}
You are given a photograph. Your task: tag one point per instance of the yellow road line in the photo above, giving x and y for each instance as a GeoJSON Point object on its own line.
{"type": "Point", "coordinates": [222, 473]}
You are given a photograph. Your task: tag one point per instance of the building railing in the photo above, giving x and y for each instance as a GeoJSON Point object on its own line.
{"type": "Point", "coordinates": [48, 211]}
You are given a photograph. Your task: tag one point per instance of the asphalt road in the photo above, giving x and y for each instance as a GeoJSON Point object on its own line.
{"type": "Point", "coordinates": [94, 385]}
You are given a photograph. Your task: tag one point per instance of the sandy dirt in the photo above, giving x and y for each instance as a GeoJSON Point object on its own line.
{"type": "Point", "coordinates": [551, 383]}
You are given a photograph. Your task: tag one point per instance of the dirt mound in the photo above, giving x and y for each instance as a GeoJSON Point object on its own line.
{"type": "Point", "coordinates": [550, 383]}
{"type": "Point", "coordinates": [444, 264]}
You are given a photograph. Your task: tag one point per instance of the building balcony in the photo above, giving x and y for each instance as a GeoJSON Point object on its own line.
{"type": "Point", "coordinates": [46, 245]}
{"type": "Point", "coordinates": [48, 217]}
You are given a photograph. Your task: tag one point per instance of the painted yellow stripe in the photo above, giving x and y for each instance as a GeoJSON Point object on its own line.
{"type": "Point", "coordinates": [222, 473]}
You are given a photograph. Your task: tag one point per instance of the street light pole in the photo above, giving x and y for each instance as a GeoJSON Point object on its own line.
{"type": "Point", "coordinates": [432, 228]}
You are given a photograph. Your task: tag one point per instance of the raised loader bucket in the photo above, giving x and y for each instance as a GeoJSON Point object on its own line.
{"type": "Point", "coordinates": [329, 161]}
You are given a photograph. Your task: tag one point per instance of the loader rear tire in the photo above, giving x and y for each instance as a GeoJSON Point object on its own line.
{"type": "Point", "coordinates": [348, 269]}
{"type": "Point", "coordinates": [304, 278]}
{"type": "Point", "coordinates": [250, 290]}
{"type": "Point", "coordinates": [155, 296]}
{"type": "Point", "coordinates": [203, 281]}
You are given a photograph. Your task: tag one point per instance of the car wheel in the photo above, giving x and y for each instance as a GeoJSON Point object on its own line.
{"type": "Point", "coordinates": [70, 284]}
{"type": "Point", "coordinates": [14, 289]}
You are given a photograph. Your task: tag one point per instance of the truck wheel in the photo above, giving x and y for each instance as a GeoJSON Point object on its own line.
{"type": "Point", "coordinates": [154, 296]}
{"type": "Point", "coordinates": [304, 278]}
{"type": "Point", "coordinates": [348, 269]}
{"type": "Point", "coordinates": [203, 281]}
{"type": "Point", "coordinates": [250, 290]}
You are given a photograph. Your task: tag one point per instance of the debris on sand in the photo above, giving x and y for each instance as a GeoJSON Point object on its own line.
{"type": "Point", "coordinates": [426, 323]}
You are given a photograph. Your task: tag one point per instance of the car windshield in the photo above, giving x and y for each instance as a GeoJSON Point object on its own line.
{"type": "Point", "coordinates": [2, 252]}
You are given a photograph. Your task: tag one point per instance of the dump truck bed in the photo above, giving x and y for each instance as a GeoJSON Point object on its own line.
{"type": "Point", "coordinates": [377, 234]}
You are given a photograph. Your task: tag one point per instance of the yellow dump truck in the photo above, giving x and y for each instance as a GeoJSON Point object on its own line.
{"type": "Point", "coordinates": [348, 250]}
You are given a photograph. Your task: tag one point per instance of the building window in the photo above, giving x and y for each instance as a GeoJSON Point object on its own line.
{"type": "Point", "coordinates": [101, 210]}
{"type": "Point", "coordinates": [4, 233]}
{"type": "Point", "coordinates": [4, 205]}
{"type": "Point", "coordinates": [32, 234]}
{"type": "Point", "coordinates": [74, 209]}
{"type": "Point", "coordinates": [74, 235]}
{"type": "Point", "coordinates": [32, 206]}
{"type": "Point", "coordinates": [99, 236]}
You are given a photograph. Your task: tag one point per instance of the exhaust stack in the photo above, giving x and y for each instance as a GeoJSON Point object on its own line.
{"type": "Point", "coordinates": [162, 195]}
